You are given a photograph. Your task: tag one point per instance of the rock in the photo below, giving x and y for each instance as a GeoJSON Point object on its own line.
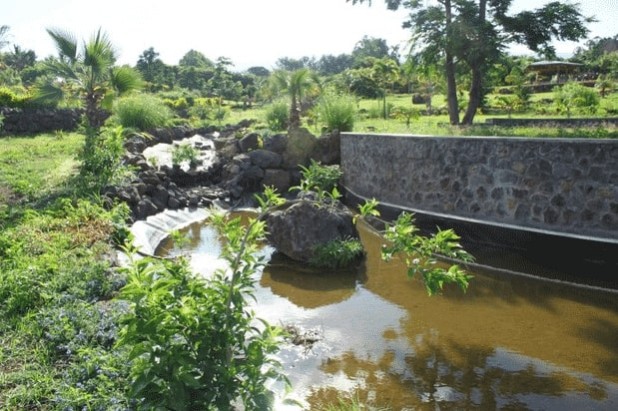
{"type": "Point", "coordinates": [249, 142]}
{"type": "Point", "coordinates": [276, 143]}
{"type": "Point", "coordinates": [160, 197]}
{"type": "Point", "coordinates": [145, 208]}
{"type": "Point", "coordinates": [265, 158]}
{"type": "Point", "coordinates": [299, 147]}
{"type": "Point", "coordinates": [296, 228]}
{"type": "Point", "coordinates": [173, 203]}
{"type": "Point", "coordinates": [327, 149]}
{"type": "Point", "coordinates": [277, 178]}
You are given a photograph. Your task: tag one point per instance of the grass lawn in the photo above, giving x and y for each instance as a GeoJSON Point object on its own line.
{"type": "Point", "coordinates": [33, 167]}
{"type": "Point", "coordinates": [369, 119]}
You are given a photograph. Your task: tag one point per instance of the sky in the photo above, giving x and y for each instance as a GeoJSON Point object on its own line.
{"type": "Point", "coordinates": [249, 32]}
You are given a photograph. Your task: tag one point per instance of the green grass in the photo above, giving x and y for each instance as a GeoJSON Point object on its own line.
{"type": "Point", "coordinates": [57, 318]}
{"type": "Point", "coordinates": [439, 124]}
{"type": "Point", "coordinates": [33, 167]}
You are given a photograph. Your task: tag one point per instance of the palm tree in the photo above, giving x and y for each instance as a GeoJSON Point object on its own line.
{"type": "Point", "coordinates": [88, 73]}
{"type": "Point", "coordinates": [295, 83]}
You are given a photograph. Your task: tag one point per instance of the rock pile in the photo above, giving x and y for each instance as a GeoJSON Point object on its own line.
{"type": "Point", "coordinates": [241, 167]}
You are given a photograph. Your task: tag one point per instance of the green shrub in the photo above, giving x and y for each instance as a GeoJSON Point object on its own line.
{"type": "Point", "coordinates": [377, 110]}
{"type": "Point", "coordinates": [337, 253]}
{"type": "Point", "coordinates": [337, 112]}
{"type": "Point", "coordinates": [320, 179]}
{"type": "Point", "coordinates": [142, 112]}
{"type": "Point", "coordinates": [577, 98]}
{"type": "Point", "coordinates": [278, 115]}
{"type": "Point", "coordinates": [12, 99]}
{"type": "Point", "coordinates": [184, 152]}
{"type": "Point", "coordinates": [101, 159]}
{"type": "Point", "coordinates": [405, 113]}
{"type": "Point", "coordinates": [194, 342]}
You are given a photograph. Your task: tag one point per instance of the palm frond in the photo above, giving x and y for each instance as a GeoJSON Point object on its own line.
{"type": "Point", "coordinates": [66, 43]}
{"type": "Point", "coordinates": [48, 93]}
{"type": "Point", "coordinates": [99, 53]}
{"type": "Point", "coordinates": [125, 79]}
{"type": "Point", "coordinates": [62, 69]}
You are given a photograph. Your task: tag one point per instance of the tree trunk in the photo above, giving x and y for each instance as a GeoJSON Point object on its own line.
{"type": "Point", "coordinates": [476, 95]}
{"type": "Point", "coordinates": [451, 84]}
{"type": "Point", "coordinates": [294, 113]}
{"type": "Point", "coordinates": [477, 64]}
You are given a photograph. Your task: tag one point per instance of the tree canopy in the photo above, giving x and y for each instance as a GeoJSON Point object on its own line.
{"type": "Point", "coordinates": [472, 34]}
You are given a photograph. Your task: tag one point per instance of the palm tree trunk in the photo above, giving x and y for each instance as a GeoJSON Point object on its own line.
{"type": "Point", "coordinates": [294, 113]}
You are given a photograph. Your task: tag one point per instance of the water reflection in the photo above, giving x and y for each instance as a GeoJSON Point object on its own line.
{"type": "Point", "coordinates": [509, 343]}
{"type": "Point", "coordinates": [306, 287]}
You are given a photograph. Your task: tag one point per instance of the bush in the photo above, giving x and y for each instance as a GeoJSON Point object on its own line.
{"type": "Point", "coordinates": [184, 152]}
{"type": "Point", "coordinates": [101, 159]}
{"type": "Point", "coordinates": [337, 253]}
{"type": "Point", "coordinates": [322, 180]}
{"type": "Point", "coordinates": [9, 98]}
{"type": "Point", "coordinates": [578, 98]}
{"type": "Point", "coordinates": [194, 342]}
{"type": "Point", "coordinates": [377, 110]}
{"type": "Point", "coordinates": [208, 109]}
{"type": "Point", "coordinates": [278, 115]}
{"type": "Point", "coordinates": [142, 112]}
{"type": "Point", "coordinates": [337, 112]}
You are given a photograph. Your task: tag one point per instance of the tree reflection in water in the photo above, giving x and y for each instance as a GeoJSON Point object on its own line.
{"type": "Point", "coordinates": [437, 374]}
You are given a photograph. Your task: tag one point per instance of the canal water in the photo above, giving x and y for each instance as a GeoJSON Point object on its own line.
{"type": "Point", "coordinates": [373, 334]}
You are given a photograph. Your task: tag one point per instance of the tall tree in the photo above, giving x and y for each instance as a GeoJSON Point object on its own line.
{"type": "Point", "coordinates": [19, 58]}
{"type": "Point", "coordinates": [194, 58]}
{"type": "Point", "coordinates": [473, 33]}
{"type": "Point", "coordinates": [372, 47]}
{"type": "Point", "coordinates": [152, 68]}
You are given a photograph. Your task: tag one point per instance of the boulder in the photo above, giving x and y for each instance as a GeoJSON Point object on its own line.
{"type": "Point", "coordinates": [297, 227]}
{"type": "Point", "coordinates": [299, 147]}
{"type": "Point", "coordinates": [249, 142]}
{"type": "Point", "coordinates": [327, 149]}
{"type": "Point", "coordinates": [277, 178]}
{"type": "Point", "coordinates": [276, 143]}
{"type": "Point", "coordinates": [265, 158]}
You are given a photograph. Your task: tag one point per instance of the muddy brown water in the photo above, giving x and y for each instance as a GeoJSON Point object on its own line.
{"type": "Point", "coordinates": [510, 342]}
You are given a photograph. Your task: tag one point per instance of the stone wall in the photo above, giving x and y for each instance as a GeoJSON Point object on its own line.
{"type": "Point", "coordinates": [38, 120]}
{"type": "Point", "coordinates": [560, 185]}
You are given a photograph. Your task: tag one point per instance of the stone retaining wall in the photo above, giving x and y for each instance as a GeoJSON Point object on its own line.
{"type": "Point", "coordinates": [561, 185]}
{"type": "Point", "coordinates": [38, 120]}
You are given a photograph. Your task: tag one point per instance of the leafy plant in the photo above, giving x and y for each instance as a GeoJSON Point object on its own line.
{"type": "Point", "coordinates": [368, 208]}
{"type": "Point", "coordinates": [405, 113]}
{"type": "Point", "coordinates": [337, 112]}
{"type": "Point", "coordinates": [278, 115]}
{"type": "Point", "coordinates": [195, 344]}
{"type": "Point", "coordinates": [184, 152]}
{"type": "Point", "coordinates": [142, 112]}
{"type": "Point", "coordinates": [419, 253]}
{"type": "Point", "coordinates": [101, 159]}
{"type": "Point", "coordinates": [320, 179]}
{"type": "Point", "coordinates": [209, 109]}
{"type": "Point", "coordinates": [337, 253]}
{"type": "Point", "coordinates": [574, 96]}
